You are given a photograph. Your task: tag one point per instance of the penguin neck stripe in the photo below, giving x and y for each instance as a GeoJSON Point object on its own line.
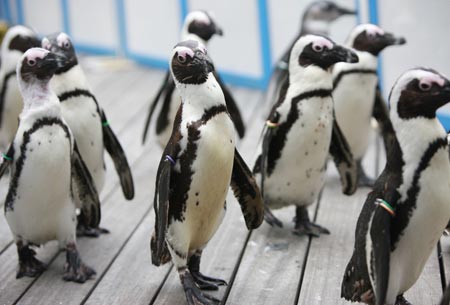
{"type": "Point", "coordinates": [385, 205]}
{"type": "Point", "coordinates": [3, 92]}
{"type": "Point", "coordinates": [76, 93]}
{"type": "Point", "coordinates": [277, 143]}
{"type": "Point", "coordinates": [351, 71]}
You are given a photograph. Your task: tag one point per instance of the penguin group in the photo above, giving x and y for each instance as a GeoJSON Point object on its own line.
{"type": "Point", "coordinates": [323, 97]}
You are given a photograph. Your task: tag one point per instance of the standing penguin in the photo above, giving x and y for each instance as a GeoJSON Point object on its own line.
{"type": "Point", "coordinates": [356, 96]}
{"type": "Point", "coordinates": [301, 132]}
{"type": "Point", "coordinates": [407, 211]}
{"type": "Point", "coordinates": [17, 40]}
{"type": "Point", "coordinates": [199, 26]}
{"type": "Point", "coordinates": [47, 173]}
{"type": "Point", "coordinates": [316, 20]}
{"type": "Point", "coordinates": [87, 121]}
{"type": "Point", "coordinates": [196, 169]}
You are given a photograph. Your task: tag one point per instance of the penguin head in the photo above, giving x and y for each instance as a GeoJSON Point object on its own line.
{"type": "Point", "coordinates": [373, 39]}
{"type": "Point", "coordinates": [419, 93]}
{"type": "Point", "coordinates": [319, 51]}
{"type": "Point", "coordinates": [18, 39]}
{"type": "Point", "coordinates": [60, 44]}
{"type": "Point", "coordinates": [190, 64]}
{"type": "Point", "coordinates": [37, 65]}
{"type": "Point", "coordinates": [327, 11]}
{"type": "Point", "coordinates": [201, 24]}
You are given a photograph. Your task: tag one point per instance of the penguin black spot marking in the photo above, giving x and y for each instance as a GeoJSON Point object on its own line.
{"type": "Point", "coordinates": [288, 184]}
{"type": "Point", "coordinates": [196, 194]}
{"type": "Point", "coordinates": [92, 143]}
{"type": "Point", "coordinates": [46, 121]}
{"type": "Point", "coordinates": [306, 153]}
{"type": "Point", "coordinates": [197, 203]}
{"type": "Point", "coordinates": [315, 142]}
{"type": "Point", "coordinates": [39, 143]}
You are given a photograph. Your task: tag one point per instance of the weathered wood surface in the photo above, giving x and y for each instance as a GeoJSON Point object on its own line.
{"type": "Point", "coordinates": [263, 267]}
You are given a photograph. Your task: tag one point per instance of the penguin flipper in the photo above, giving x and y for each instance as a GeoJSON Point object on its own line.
{"type": "Point", "coordinates": [163, 119]}
{"type": "Point", "coordinates": [381, 114]}
{"type": "Point", "coordinates": [153, 106]}
{"type": "Point", "coordinates": [7, 160]}
{"type": "Point", "coordinates": [246, 191]}
{"type": "Point", "coordinates": [117, 154]}
{"type": "Point", "coordinates": [343, 158]}
{"type": "Point", "coordinates": [84, 190]}
{"type": "Point", "coordinates": [161, 206]}
{"type": "Point", "coordinates": [232, 108]}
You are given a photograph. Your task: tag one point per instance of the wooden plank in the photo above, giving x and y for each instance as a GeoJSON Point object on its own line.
{"type": "Point", "coordinates": [98, 253]}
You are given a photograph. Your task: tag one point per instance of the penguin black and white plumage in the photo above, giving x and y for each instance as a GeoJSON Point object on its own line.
{"type": "Point", "coordinates": [47, 173]}
{"type": "Point", "coordinates": [357, 98]}
{"type": "Point", "coordinates": [199, 26]}
{"type": "Point", "coordinates": [17, 40]}
{"type": "Point", "coordinates": [198, 165]}
{"type": "Point", "coordinates": [87, 121]}
{"type": "Point", "coordinates": [301, 131]}
{"type": "Point", "coordinates": [316, 20]}
{"type": "Point", "coordinates": [407, 211]}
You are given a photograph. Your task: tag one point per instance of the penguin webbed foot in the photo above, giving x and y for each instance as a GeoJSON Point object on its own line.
{"type": "Point", "coordinates": [29, 265]}
{"type": "Point", "coordinates": [75, 269]}
{"type": "Point", "coordinates": [206, 282]}
{"type": "Point", "coordinates": [271, 219]}
{"type": "Point", "coordinates": [87, 231]}
{"type": "Point", "coordinates": [402, 301]}
{"type": "Point", "coordinates": [194, 296]}
{"type": "Point", "coordinates": [303, 226]}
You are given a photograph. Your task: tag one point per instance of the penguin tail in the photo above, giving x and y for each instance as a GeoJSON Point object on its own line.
{"type": "Point", "coordinates": [165, 256]}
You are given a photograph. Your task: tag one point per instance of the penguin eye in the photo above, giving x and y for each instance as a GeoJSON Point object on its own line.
{"type": "Point", "coordinates": [318, 48]}
{"type": "Point", "coordinates": [181, 59]}
{"type": "Point", "coordinates": [31, 62]}
{"type": "Point", "coordinates": [424, 87]}
{"type": "Point", "coordinates": [66, 44]}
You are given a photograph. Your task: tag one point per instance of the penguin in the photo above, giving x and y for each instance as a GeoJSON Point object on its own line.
{"type": "Point", "coordinates": [47, 174]}
{"type": "Point", "coordinates": [17, 40]}
{"type": "Point", "coordinates": [316, 20]}
{"type": "Point", "coordinates": [200, 26]}
{"type": "Point", "coordinates": [446, 297]}
{"type": "Point", "coordinates": [198, 165]}
{"type": "Point", "coordinates": [87, 121]}
{"type": "Point", "coordinates": [357, 98]}
{"type": "Point", "coordinates": [405, 214]}
{"type": "Point", "coordinates": [301, 131]}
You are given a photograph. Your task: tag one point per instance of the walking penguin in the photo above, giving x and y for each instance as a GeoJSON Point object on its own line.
{"type": "Point", "coordinates": [197, 167]}
{"type": "Point", "coordinates": [87, 121]}
{"type": "Point", "coordinates": [17, 40]}
{"type": "Point", "coordinates": [407, 211]}
{"type": "Point", "coordinates": [357, 98]}
{"type": "Point", "coordinates": [199, 26]}
{"type": "Point", "coordinates": [301, 131]}
{"type": "Point", "coordinates": [47, 173]}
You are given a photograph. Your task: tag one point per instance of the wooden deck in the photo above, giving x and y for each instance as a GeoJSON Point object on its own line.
{"type": "Point", "coordinates": [266, 266]}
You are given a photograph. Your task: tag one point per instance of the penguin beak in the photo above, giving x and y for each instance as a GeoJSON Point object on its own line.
{"type": "Point", "coordinates": [218, 31]}
{"type": "Point", "coordinates": [206, 61]}
{"type": "Point", "coordinates": [389, 39]}
{"type": "Point", "coordinates": [445, 93]}
{"type": "Point", "coordinates": [344, 11]}
{"type": "Point", "coordinates": [47, 66]}
{"type": "Point", "coordinates": [341, 54]}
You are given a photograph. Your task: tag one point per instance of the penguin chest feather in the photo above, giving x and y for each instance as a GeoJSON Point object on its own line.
{"type": "Point", "coordinates": [354, 99]}
{"type": "Point", "coordinates": [298, 175]}
{"type": "Point", "coordinates": [426, 224]}
{"type": "Point", "coordinates": [41, 208]}
{"type": "Point", "coordinates": [82, 116]}
{"type": "Point", "coordinates": [211, 177]}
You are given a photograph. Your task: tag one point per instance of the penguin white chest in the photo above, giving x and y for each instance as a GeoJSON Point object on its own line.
{"type": "Point", "coordinates": [211, 177]}
{"type": "Point", "coordinates": [81, 115]}
{"type": "Point", "coordinates": [41, 208]}
{"type": "Point", "coordinates": [298, 175]}
{"type": "Point", "coordinates": [354, 100]}
{"type": "Point", "coordinates": [425, 226]}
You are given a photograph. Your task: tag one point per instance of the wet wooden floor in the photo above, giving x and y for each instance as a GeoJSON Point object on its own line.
{"type": "Point", "coordinates": [266, 266]}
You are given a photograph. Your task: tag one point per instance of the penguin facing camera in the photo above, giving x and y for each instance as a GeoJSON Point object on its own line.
{"type": "Point", "coordinates": [197, 167]}
{"type": "Point", "coordinates": [88, 123]}
{"type": "Point", "coordinates": [17, 40]}
{"type": "Point", "coordinates": [408, 208]}
{"type": "Point", "coordinates": [357, 98]}
{"type": "Point", "coordinates": [199, 26]}
{"type": "Point", "coordinates": [47, 173]}
{"type": "Point", "coordinates": [301, 131]}
{"type": "Point", "coordinates": [316, 20]}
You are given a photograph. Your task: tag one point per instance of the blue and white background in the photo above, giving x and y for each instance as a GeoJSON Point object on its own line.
{"type": "Point", "coordinates": [256, 31]}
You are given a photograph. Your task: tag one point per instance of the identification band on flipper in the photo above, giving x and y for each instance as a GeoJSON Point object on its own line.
{"type": "Point", "coordinates": [271, 124]}
{"type": "Point", "coordinates": [105, 123]}
{"type": "Point", "coordinates": [170, 159]}
{"type": "Point", "coordinates": [6, 157]}
{"type": "Point", "coordinates": [385, 205]}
